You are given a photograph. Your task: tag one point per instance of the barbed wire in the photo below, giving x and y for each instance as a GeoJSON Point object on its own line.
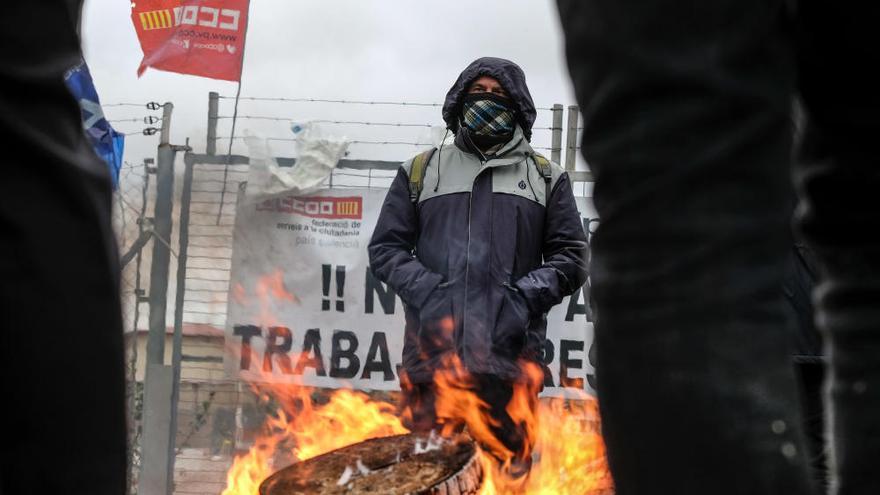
{"type": "Point", "coordinates": [322, 121]}
{"type": "Point", "coordinates": [146, 120]}
{"type": "Point", "coordinates": [125, 104]}
{"type": "Point", "coordinates": [409, 143]}
{"type": "Point", "coordinates": [324, 100]}
{"type": "Point", "coordinates": [133, 134]}
{"type": "Point", "coordinates": [357, 122]}
{"type": "Point", "coordinates": [345, 102]}
{"type": "Point", "coordinates": [366, 174]}
{"type": "Point", "coordinates": [404, 143]}
{"type": "Point", "coordinates": [143, 132]}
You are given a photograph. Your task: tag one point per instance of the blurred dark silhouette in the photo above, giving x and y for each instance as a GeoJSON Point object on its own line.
{"type": "Point", "coordinates": [687, 127]}
{"type": "Point", "coordinates": [60, 319]}
{"type": "Point", "coordinates": [809, 360]}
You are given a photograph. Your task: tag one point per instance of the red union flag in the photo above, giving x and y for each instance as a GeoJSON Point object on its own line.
{"type": "Point", "coordinates": [199, 37]}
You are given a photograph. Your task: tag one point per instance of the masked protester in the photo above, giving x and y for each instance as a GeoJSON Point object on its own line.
{"type": "Point", "coordinates": [479, 238]}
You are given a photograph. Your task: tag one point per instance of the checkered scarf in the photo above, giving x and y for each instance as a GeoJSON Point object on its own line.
{"type": "Point", "coordinates": [486, 114]}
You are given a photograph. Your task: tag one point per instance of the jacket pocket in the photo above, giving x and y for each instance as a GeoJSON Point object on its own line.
{"type": "Point", "coordinates": [436, 322]}
{"type": "Point", "coordinates": [535, 342]}
{"type": "Point", "coordinates": [511, 324]}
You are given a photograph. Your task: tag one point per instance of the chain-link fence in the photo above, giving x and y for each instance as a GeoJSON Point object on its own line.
{"type": "Point", "coordinates": [217, 416]}
{"type": "Point", "coordinates": [130, 204]}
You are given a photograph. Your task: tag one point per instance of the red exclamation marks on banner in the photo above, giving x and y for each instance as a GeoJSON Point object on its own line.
{"type": "Point", "coordinates": [326, 271]}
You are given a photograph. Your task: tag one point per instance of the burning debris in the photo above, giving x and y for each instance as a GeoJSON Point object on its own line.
{"type": "Point", "coordinates": [350, 443]}
{"type": "Point", "coordinates": [388, 465]}
{"type": "Point", "coordinates": [349, 472]}
{"type": "Point", "coordinates": [362, 469]}
{"type": "Point", "coordinates": [346, 477]}
{"type": "Point", "coordinates": [433, 442]}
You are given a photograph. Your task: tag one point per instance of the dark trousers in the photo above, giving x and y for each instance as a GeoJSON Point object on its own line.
{"type": "Point", "coordinates": [420, 414]}
{"type": "Point", "coordinates": [687, 127]}
{"type": "Point", "coordinates": [61, 354]}
{"type": "Point", "coordinates": [811, 372]}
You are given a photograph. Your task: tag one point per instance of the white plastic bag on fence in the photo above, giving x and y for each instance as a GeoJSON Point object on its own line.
{"type": "Point", "coordinates": [317, 155]}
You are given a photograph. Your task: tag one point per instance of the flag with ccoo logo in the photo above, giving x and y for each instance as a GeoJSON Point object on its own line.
{"type": "Point", "coordinates": [199, 37]}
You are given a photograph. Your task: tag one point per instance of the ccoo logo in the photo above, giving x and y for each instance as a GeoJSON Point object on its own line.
{"type": "Point", "coordinates": [328, 207]}
{"type": "Point", "coordinates": [191, 15]}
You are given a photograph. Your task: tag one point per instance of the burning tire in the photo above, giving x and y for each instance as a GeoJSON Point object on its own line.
{"type": "Point", "coordinates": [397, 465]}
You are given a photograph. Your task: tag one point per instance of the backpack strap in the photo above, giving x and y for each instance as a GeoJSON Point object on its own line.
{"type": "Point", "coordinates": [543, 166]}
{"type": "Point", "coordinates": [417, 174]}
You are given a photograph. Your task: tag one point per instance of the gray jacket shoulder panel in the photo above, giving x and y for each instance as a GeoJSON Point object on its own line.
{"type": "Point", "coordinates": [524, 179]}
{"type": "Point", "coordinates": [457, 170]}
{"type": "Point", "coordinates": [450, 171]}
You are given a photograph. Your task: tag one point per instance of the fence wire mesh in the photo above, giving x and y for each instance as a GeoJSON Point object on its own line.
{"type": "Point", "coordinates": [218, 415]}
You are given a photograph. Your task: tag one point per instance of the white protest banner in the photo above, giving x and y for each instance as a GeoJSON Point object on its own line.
{"type": "Point", "coordinates": [305, 308]}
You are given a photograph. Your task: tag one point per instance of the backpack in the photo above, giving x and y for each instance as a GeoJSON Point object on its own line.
{"type": "Point", "coordinates": [420, 163]}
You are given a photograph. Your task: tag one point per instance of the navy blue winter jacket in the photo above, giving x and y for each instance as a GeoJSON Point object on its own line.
{"type": "Point", "coordinates": [483, 255]}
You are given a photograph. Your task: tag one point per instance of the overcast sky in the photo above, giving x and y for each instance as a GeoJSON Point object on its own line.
{"type": "Point", "coordinates": [399, 50]}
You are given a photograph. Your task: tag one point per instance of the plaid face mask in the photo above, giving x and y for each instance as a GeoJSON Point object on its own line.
{"type": "Point", "coordinates": [488, 115]}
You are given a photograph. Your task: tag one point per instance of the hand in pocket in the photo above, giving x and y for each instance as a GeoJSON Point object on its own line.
{"type": "Point", "coordinates": [436, 322]}
{"type": "Point", "coordinates": [512, 322]}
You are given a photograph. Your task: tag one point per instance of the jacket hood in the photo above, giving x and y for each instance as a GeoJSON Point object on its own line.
{"type": "Point", "coordinates": [511, 77]}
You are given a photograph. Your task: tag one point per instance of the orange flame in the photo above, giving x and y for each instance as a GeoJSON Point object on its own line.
{"type": "Point", "coordinates": [302, 429]}
{"type": "Point", "coordinates": [561, 435]}
{"type": "Point", "coordinates": [569, 453]}
{"type": "Point", "coordinates": [274, 285]}
{"type": "Point", "coordinates": [239, 294]}
{"type": "Point", "coordinates": [567, 448]}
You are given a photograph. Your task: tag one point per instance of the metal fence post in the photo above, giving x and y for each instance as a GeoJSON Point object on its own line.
{"type": "Point", "coordinates": [556, 136]}
{"type": "Point", "coordinates": [161, 250]}
{"type": "Point", "coordinates": [571, 138]}
{"type": "Point", "coordinates": [213, 105]}
{"type": "Point", "coordinates": [177, 342]}
{"type": "Point", "coordinates": [154, 478]}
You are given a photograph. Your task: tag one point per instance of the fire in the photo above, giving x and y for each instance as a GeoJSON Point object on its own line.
{"type": "Point", "coordinates": [274, 285]}
{"type": "Point", "coordinates": [569, 450]}
{"type": "Point", "coordinates": [302, 429]}
{"type": "Point", "coordinates": [561, 435]}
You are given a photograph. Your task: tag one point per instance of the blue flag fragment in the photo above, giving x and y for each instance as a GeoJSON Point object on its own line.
{"type": "Point", "coordinates": [108, 143]}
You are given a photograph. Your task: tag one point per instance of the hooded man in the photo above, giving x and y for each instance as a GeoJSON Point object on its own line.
{"type": "Point", "coordinates": [479, 244]}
